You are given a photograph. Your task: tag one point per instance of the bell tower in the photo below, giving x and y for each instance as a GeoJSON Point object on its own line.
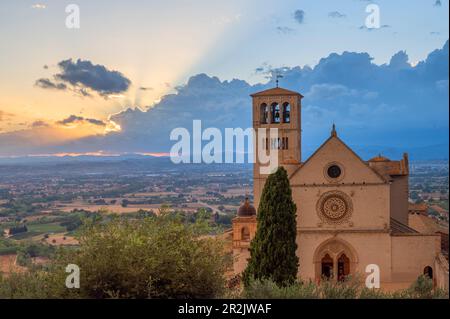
{"type": "Point", "coordinates": [276, 108]}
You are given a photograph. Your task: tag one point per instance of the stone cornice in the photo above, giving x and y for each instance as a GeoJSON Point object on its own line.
{"type": "Point", "coordinates": [305, 230]}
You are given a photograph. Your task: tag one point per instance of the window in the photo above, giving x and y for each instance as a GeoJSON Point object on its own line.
{"type": "Point", "coordinates": [284, 143]}
{"type": "Point", "coordinates": [334, 171]}
{"type": "Point", "coordinates": [245, 234]}
{"type": "Point", "coordinates": [264, 113]}
{"type": "Point", "coordinates": [275, 113]}
{"type": "Point", "coordinates": [286, 113]}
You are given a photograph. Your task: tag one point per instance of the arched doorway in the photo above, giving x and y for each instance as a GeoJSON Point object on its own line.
{"type": "Point", "coordinates": [327, 267]}
{"type": "Point", "coordinates": [428, 271]}
{"type": "Point", "coordinates": [334, 259]}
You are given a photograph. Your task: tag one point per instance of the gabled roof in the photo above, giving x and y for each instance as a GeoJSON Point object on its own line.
{"type": "Point", "coordinates": [334, 136]}
{"type": "Point", "coordinates": [276, 91]}
{"type": "Point", "coordinates": [389, 168]}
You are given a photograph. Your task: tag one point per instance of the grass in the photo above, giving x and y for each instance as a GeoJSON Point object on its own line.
{"type": "Point", "coordinates": [46, 228]}
{"type": "Point", "coordinates": [25, 235]}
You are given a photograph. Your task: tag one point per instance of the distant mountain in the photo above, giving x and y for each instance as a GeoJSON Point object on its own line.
{"type": "Point", "coordinates": [424, 153]}
{"type": "Point", "coordinates": [432, 152]}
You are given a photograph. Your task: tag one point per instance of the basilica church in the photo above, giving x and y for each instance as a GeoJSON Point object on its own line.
{"type": "Point", "coordinates": [351, 213]}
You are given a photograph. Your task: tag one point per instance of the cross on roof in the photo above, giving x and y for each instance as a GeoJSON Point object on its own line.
{"type": "Point", "coordinates": [279, 76]}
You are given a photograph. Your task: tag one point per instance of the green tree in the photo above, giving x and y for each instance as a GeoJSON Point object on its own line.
{"type": "Point", "coordinates": [273, 249]}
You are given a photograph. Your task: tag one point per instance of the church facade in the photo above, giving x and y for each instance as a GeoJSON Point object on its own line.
{"type": "Point", "coordinates": [351, 213]}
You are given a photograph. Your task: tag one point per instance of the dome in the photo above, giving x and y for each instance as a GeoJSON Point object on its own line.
{"type": "Point", "coordinates": [246, 209]}
{"type": "Point", "coordinates": [379, 158]}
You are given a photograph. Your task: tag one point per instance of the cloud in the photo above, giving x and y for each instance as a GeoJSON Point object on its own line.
{"type": "Point", "coordinates": [336, 14]}
{"type": "Point", "coordinates": [299, 16]}
{"type": "Point", "coordinates": [95, 77]}
{"type": "Point", "coordinates": [384, 26]}
{"type": "Point", "coordinates": [74, 119]}
{"type": "Point", "coordinates": [143, 88]}
{"type": "Point", "coordinates": [400, 60]}
{"type": "Point", "coordinates": [438, 3]}
{"type": "Point", "coordinates": [84, 77]}
{"type": "Point", "coordinates": [48, 84]}
{"type": "Point", "coordinates": [284, 30]}
{"type": "Point", "coordinates": [5, 115]}
{"type": "Point", "coordinates": [394, 105]}
{"type": "Point", "coordinates": [39, 6]}
{"type": "Point", "coordinates": [39, 123]}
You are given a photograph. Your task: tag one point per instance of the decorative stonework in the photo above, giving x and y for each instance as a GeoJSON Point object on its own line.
{"type": "Point", "coordinates": [334, 207]}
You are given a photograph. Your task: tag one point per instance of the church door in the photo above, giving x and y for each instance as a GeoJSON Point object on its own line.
{"type": "Point", "coordinates": [327, 267]}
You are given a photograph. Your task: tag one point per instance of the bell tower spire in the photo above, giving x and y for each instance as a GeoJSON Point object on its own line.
{"type": "Point", "coordinates": [280, 109]}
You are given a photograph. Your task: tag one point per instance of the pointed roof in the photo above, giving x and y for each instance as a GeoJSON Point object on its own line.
{"type": "Point", "coordinates": [276, 91]}
{"type": "Point", "coordinates": [334, 136]}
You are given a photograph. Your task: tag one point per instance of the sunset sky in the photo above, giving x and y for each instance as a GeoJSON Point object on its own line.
{"type": "Point", "coordinates": [59, 85]}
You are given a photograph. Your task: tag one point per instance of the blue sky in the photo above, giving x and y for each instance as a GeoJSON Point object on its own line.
{"type": "Point", "coordinates": [144, 50]}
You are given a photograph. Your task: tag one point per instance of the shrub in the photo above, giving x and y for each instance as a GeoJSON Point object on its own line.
{"type": "Point", "coordinates": [349, 289]}
{"type": "Point", "coordinates": [268, 289]}
{"type": "Point", "coordinates": [151, 258]}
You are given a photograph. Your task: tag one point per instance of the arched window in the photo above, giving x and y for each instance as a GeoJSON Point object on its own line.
{"type": "Point", "coordinates": [275, 113]}
{"type": "Point", "coordinates": [245, 233]}
{"type": "Point", "coordinates": [286, 113]}
{"type": "Point", "coordinates": [428, 271]}
{"type": "Point", "coordinates": [343, 267]}
{"type": "Point", "coordinates": [264, 113]}
{"type": "Point", "coordinates": [327, 267]}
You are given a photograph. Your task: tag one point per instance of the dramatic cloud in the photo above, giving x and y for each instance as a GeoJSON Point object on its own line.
{"type": "Point", "coordinates": [299, 16]}
{"type": "Point", "coordinates": [336, 14]}
{"type": "Point", "coordinates": [400, 61]}
{"type": "Point", "coordinates": [84, 77]}
{"type": "Point", "coordinates": [389, 108]}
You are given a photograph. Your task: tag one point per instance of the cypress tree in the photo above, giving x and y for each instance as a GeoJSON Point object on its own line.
{"type": "Point", "coordinates": [272, 251]}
